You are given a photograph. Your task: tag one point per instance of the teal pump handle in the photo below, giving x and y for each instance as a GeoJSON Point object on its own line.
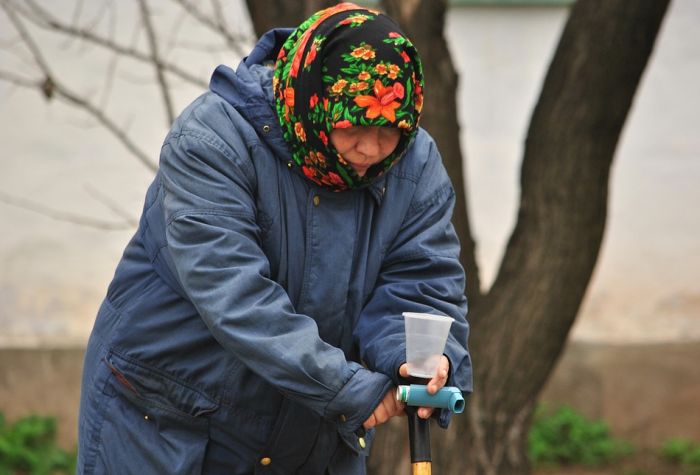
{"type": "Point", "coordinates": [417, 395]}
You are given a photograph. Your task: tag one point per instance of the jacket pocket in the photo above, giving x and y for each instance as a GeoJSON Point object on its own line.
{"type": "Point", "coordinates": [153, 423]}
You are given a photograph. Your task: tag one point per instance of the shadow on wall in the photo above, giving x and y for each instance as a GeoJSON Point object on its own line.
{"type": "Point", "coordinates": [646, 393]}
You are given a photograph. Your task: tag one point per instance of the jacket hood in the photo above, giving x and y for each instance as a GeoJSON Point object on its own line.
{"type": "Point", "coordinates": [249, 89]}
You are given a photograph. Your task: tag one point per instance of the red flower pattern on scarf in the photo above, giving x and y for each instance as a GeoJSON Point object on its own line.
{"type": "Point", "coordinates": [382, 103]}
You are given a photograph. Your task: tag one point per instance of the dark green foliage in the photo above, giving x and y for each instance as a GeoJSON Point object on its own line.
{"type": "Point", "coordinates": [29, 447]}
{"type": "Point", "coordinates": [683, 452]}
{"type": "Point", "coordinates": [568, 438]}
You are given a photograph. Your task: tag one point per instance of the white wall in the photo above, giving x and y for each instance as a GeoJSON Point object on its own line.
{"type": "Point", "coordinates": [645, 287]}
{"type": "Point", "coordinates": [53, 274]}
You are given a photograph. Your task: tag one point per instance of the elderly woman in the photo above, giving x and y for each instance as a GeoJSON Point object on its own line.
{"type": "Point", "coordinates": [254, 322]}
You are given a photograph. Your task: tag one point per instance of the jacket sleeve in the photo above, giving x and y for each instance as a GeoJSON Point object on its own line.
{"type": "Point", "coordinates": [420, 272]}
{"type": "Point", "coordinates": [214, 239]}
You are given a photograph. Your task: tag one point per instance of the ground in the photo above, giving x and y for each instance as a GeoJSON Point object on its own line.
{"type": "Point", "coordinates": [642, 463]}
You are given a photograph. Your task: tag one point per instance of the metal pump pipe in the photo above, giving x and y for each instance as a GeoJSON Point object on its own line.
{"type": "Point", "coordinates": [416, 395]}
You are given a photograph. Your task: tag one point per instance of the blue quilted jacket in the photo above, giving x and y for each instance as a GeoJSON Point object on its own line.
{"type": "Point", "coordinates": [254, 321]}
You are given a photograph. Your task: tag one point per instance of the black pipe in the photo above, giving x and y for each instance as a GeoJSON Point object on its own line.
{"type": "Point", "coordinates": [418, 436]}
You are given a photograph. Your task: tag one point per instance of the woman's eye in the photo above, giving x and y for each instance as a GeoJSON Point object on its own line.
{"type": "Point", "coordinates": [390, 132]}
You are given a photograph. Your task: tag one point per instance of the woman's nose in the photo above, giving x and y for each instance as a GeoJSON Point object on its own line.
{"type": "Point", "coordinates": [368, 144]}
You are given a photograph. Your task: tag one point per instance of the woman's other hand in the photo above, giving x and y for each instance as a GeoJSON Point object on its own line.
{"type": "Point", "coordinates": [388, 408]}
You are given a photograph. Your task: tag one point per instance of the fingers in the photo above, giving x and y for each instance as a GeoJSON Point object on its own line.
{"type": "Point", "coordinates": [440, 379]}
{"type": "Point", "coordinates": [389, 407]}
{"type": "Point", "coordinates": [370, 422]}
{"type": "Point", "coordinates": [382, 412]}
{"type": "Point", "coordinates": [433, 386]}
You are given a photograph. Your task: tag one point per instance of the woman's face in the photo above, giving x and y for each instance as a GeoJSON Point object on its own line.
{"type": "Point", "coordinates": [364, 146]}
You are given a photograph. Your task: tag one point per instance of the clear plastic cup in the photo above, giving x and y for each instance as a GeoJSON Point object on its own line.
{"type": "Point", "coordinates": [426, 335]}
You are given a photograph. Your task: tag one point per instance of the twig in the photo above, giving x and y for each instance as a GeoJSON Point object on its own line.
{"type": "Point", "coordinates": [110, 74]}
{"type": "Point", "coordinates": [108, 124]}
{"type": "Point", "coordinates": [106, 6]}
{"type": "Point", "coordinates": [155, 58]}
{"type": "Point", "coordinates": [77, 12]}
{"type": "Point", "coordinates": [19, 80]}
{"type": "Point", "coordinates": [62, 215]}
{"type": "Point", "coordinates": [28, 41]}
{"type": "Point", "coordinates": [10, 42]}
{"type": "Point", "coordinates": [44, 19]}
{"type": "Point", "coordinates": [109, 203]}
{"type": "Point", "coordinates": [202, 47]}
{"type": "Point", "coordinates": [175, 30]}
{"type": "Point", "coordinates": [219, 16]}
{"type": "Point", "coordinates": [50, 87]}
{"type": "Point", "coordinates": [217, 26]}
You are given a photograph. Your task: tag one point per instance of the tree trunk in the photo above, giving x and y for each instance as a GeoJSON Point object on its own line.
{"type": "Point", "coordinates": [424, 21]}
{"type": "Point", "coordinates": [268, 14]}
{"type": "Point", "coordinates": [522, 324]}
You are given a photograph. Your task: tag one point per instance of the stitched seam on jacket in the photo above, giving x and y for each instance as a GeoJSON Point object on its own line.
{"type": "Point", "coordinates": [208, 212]}
{"type": "Point", "coordinates": [440, 196]}
{"type": "Point", "coordinates": [416, 254]}
{"type": "Point", "coordinates": [415, 178]}
{"type": "Point", "coordinates": [219, 145]}
{"type": "Point", "coordinates": [209, 139]}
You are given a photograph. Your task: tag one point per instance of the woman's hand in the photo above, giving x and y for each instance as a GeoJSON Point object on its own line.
{"type": "Point", "coordinates": [388, 408]}
{"type": "Point", "coordinates": [434, 385]}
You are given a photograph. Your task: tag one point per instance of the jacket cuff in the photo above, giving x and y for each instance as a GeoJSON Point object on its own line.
{"type": "Point", "coordinates": [395, 363]}
{"type": "Point", "coordinates": [357, 399]}
{"type": "Point", "coordinates": [354, 403]}
{"type": "Point", "coordinates": [455, 354]}
{"type": "Point", "coordinates": [460, 366]}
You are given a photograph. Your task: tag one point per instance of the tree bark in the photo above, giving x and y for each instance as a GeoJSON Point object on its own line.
{"type": "Point", "coordinates": [268, 14]}
{"type": "Point", "coordinates": [424, 23]}
{"type": "Point", "coordinates": [522, 324]}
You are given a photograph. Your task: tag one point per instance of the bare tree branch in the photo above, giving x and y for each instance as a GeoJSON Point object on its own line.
{"type": "Point", "coordinates": [201, 47]}
{"type": "Point", "coordinates": [216, 25]}
{"type": "Point", "coordinates": [110, 74]}
{"type": "Point", "coordinates": [77, 12]}
{"type": "Point", "coordinates": [171, 41]}
{"type": "Point", "coordinates": [109, 203]}
{"type": "Point", "coordinates": [218, 13]}
{"type": "Point", "coordinates": [50, 87]}
{"type": "Point", "coordinates": [10, 42]}
{"type": "Point", "coordinates": [155, 59]}
{"type": "Point", "coordinates": [108, 123]}
{"type": "Point", "coordinates": [46, 20]}
{"type": "Point", "coordinates": [63, 215]}
{"type": "Point", "coordinates": [19, 80]}
{"type": "Point", "coordinates": [27, 39]}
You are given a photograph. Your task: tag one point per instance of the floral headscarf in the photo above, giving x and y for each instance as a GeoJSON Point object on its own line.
{"type": "Point", "coordinates": [345, 66]}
